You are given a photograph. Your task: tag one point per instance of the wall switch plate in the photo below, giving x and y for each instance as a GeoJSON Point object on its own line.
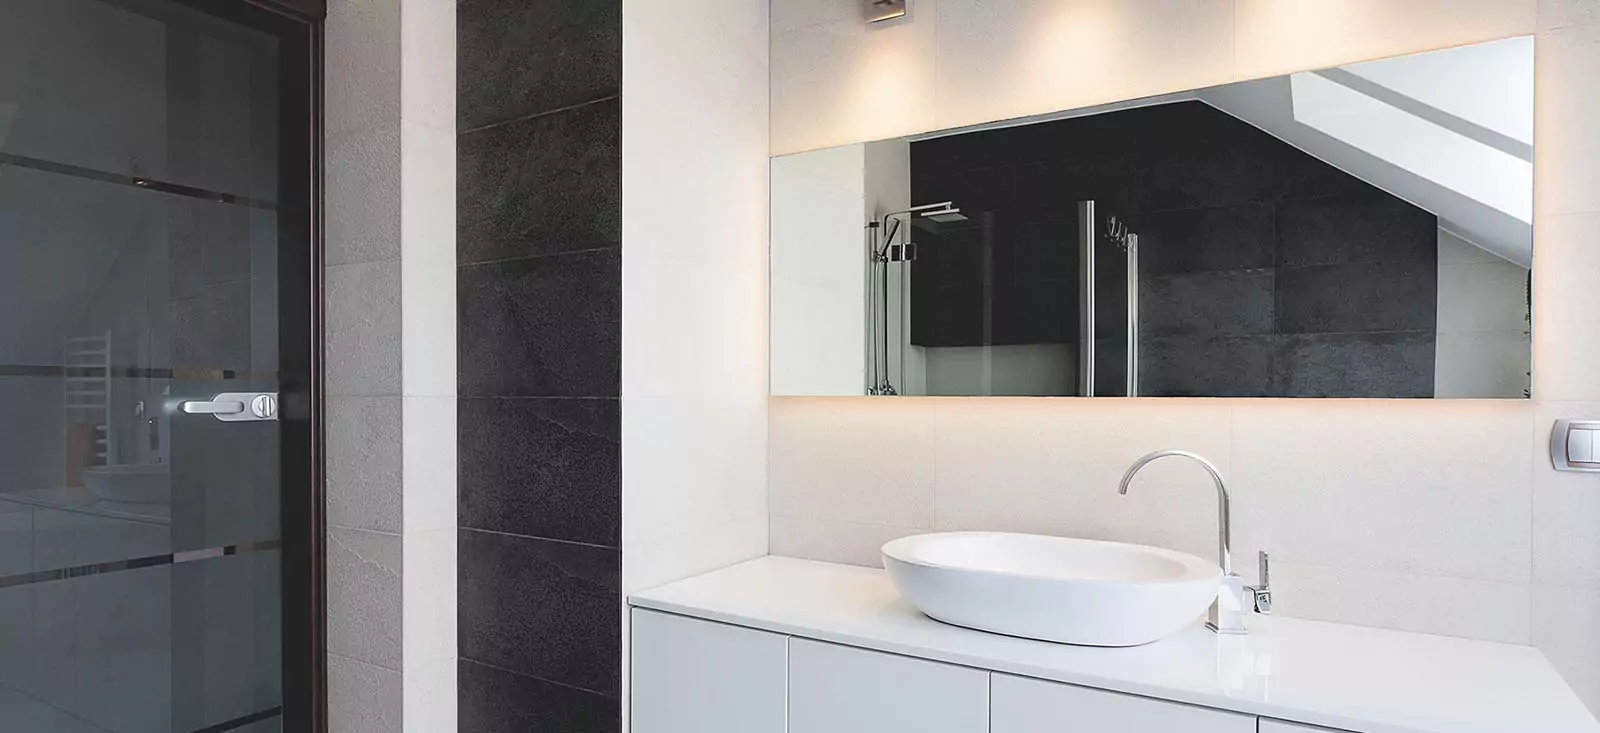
{"type": "Point", "coordinates": [1575, 445]}
{"type": "Point", "coordinates": [879, 10]}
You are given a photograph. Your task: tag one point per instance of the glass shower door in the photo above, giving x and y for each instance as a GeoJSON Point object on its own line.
{"type": "Point", "coordinates": [145, 224]}
{"type": "Point", "coordinates": [1108, 283]}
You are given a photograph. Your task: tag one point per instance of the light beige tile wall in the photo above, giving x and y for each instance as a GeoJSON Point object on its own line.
{"type": "Point", "coordinates": [959, 62]}
{"type": "Point", "coordinates": [694, 316]}
{"type": "Point", "coordinates": [1441, 517]}
{"type": "Point", "coordinates": [390, 364]}
{"type": "Point", "coordinates": [1566, 507]}
{"type": "Point", "coordinates": [694, 290]}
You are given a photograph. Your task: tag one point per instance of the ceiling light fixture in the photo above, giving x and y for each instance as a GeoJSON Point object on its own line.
{"type": "Point", "coordinates": [880, 10]}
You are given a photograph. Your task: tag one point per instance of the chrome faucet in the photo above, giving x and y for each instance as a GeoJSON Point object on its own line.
{"type": "Point", "coordinates": [1227, 612]}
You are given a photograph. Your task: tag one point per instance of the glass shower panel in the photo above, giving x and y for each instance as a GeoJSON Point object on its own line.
{"type": "Point", "coordinates": [1116, 306]}
{"type": "Point", "coordinates": [139, 533]}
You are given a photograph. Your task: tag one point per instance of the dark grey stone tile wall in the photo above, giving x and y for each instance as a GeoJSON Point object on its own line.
{"type": "Point", "coordinates": [542, 468]}
{"type": "Point", "coordinates": [539, 290]}
{"type": "Point", "coordinates": [541, 185]}
{"type": "Point", "coordinates": [495, 700]}
{"type": "Point", "coordinates": [542, 608]}
{"type": "Point", "coordinates": [542, 326]}
{"type": "Point", "coordinates": [1263, 271]}
{"type": "Point", "coordinates": [519, 58]}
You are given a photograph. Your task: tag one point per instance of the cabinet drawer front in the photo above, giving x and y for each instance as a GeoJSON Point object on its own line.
{"type": "Point", "coordinates": [1023, 705]}
{"type": "Point", "coordinates": [692, 676]}
{"type": "Point", "coordinates": [838, 689]}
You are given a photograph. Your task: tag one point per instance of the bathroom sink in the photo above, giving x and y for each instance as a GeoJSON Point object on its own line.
{"type": "Point", "coordinates": [1058, 589]}
{"type": "Point", "coordinates": [147, 484]}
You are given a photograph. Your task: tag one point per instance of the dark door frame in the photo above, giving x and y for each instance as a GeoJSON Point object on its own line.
{"type": "Point", "coordinates": [298, 26]}
{"type": "Point", "coordinates": [300, 227]}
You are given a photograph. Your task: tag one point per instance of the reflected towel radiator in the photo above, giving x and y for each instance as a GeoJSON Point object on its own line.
{"type": "Point", "coordinates": [87, 392]}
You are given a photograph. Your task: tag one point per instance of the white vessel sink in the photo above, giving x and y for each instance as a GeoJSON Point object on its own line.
{"type": "Point", "coordinates": [1052, 588]}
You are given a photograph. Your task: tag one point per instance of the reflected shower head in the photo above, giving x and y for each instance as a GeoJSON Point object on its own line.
{"type": "Point", "coordinates": [942, 212]}
{"type": "Point", "coordinates": [945, 216]}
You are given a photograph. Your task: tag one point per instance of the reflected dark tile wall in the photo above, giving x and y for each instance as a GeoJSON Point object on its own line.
{"type": "Point", "coordinates": [1216, 303]}
{"type": "Point", "coordinates": [1365, 226]}
{"type": "Point", "coordinates": [539, 348]}
{"type": "Point", "coordinates": [1202, 240]}
{"type": "Point", "coordinates": [1207, 366]}
{"type": "Point", "coordinates": [208, 332]}
{"type": "Point", "coordinates": [1366, 297]}
{"type": "Point", "coordinates": [1244, 241]}
{"type": "Point", "coordinates": [1356, 364]}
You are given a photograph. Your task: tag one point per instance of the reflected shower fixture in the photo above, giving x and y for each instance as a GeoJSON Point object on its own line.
{"type": "Point", "coordinates": [882, 251]}
{"type": "Point", "coordinates": [1121, 235]}
{"type": "Point", "coordinates": [891, 224]}
{"type": "Point", "coordinates": [1116, 232]}
{"type": "Point", "coordinates": [944, 215]}
{"type": "Point", "coordinates": [943, 212]}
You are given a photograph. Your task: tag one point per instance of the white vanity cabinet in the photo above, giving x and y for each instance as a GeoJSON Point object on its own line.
{"type": "Point", "coordinates": [840, 689]}
{"type": "Point", "coordinates": [692, 676]}
{"type": "Point", "coordinates": [1024, 705]}
{"type": "Point", "coordinates": [834, 649]}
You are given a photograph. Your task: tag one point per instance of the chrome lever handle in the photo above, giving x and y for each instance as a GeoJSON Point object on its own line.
{"type": "Point", "coordinates": [213, 407]}
{"type": "Point", "coordinates": [236, 406]}
{"type": "Point", "coordinates": [1262, 594]}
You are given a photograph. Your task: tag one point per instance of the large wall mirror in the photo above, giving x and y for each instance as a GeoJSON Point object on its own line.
{"type": "Point", "coordinates": [1362, 231]}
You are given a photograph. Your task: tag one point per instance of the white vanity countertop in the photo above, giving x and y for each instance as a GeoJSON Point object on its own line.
{"type": "Point", "coordinates": [1352, 677]}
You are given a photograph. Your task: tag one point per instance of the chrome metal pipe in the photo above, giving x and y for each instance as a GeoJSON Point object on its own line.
{"type": "Point", "coordinates": [1227, 612]}
{"type": "Point", "coordinates": [1086, 266]}
{"type": "Point", "coordinates": [1132, 367]}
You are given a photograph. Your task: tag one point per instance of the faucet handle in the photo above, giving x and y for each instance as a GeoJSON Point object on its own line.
{"type": "Point", "coordinates": [1263, 593]}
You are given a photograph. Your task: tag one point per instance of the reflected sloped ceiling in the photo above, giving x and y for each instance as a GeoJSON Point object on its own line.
{"type": "Point", "coordinates": [1450, 131]}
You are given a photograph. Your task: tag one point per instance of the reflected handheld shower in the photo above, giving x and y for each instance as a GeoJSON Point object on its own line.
{"type": "Point", "coordinates": [883, 252]}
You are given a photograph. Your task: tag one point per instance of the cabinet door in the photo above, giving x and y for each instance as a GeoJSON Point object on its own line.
{"type": "Point", "coordinates": [1023, 705]}
{"type": "Point", "coordinates": [691, 676]}
{"type": "Point", "coordinates": [839, 689]}
{"type": "Point", "coordinates": [1269, 725]}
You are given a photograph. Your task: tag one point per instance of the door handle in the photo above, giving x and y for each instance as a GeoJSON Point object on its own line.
{"type": "Point", "coordinates": [213, 407]}
{"type": "Point", "coordinates": [236, 406]}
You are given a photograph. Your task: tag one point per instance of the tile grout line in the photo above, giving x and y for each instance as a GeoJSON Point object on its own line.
{"type": "Point", "coordinates": [574, 543]}
{"type": "Point", "coordinates": [617, 246]}
{"type": "Point", "coordinates": [469, 660]}
{"type": "Point", "coordinates": [536, 115]}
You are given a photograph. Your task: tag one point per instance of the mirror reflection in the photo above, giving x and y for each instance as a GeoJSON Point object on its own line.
{"type": "Point", "coordinates": [1363, 231]}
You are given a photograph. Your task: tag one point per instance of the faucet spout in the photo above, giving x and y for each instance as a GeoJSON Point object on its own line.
{"type": "Point", "coordinates": [1227, 611]}
{"type": "Point", "coordinates": [1224, 511]}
